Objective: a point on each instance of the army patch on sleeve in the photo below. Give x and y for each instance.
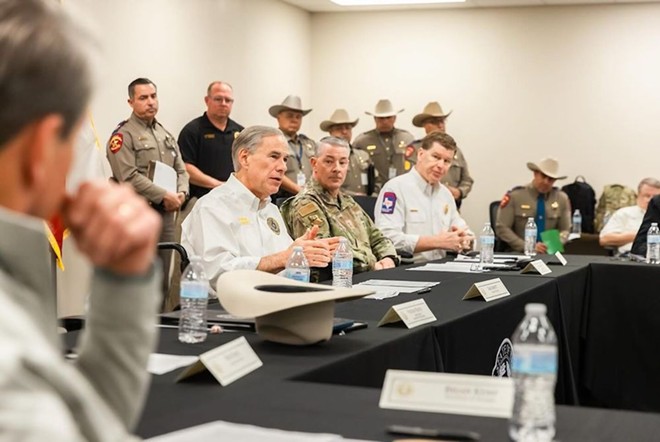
(116, 142)
(307, 209)
(274, 225)
(389, 202)
(505, 200)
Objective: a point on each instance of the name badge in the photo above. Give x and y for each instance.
(413, 314)
(537, 266)
(392, 172)
(470, 395)
(227, 363)
(490, 290)
(300, 178)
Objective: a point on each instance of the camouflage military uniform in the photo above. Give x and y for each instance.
(520, 204)
(357, 176)
(385, 150)
(337, 217)
(458, 175)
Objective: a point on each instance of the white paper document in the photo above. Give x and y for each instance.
(456, 267)
(227, 431)
(164, 176)
(385, 288)
(160, 363)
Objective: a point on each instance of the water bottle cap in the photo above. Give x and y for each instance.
(297, 249)
(530, 219)
(535, 309)
(654, 224)
(343, 239)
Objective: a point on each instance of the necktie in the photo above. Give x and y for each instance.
(540, 216)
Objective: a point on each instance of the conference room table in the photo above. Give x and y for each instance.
(604, 313)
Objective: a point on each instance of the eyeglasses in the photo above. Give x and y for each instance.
(222, 100)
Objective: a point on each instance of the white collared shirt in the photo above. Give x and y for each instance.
(409, 207)
(231, 229)
(624, 220)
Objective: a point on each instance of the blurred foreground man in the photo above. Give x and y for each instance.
(45, 83)
(417, 212)
(235, 226)
(322, 203)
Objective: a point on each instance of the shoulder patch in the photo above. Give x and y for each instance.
(307, 209)
(389, 203)
(505, 199)
(115, 143)
(410, 150)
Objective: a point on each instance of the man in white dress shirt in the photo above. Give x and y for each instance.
(417, 212)
(623, 225)
(235, 226)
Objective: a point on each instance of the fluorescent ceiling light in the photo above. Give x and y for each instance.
(391, 2)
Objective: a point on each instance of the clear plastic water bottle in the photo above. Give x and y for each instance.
(530, 237)
(653, 244)
(534, 369)
(297, 267)
(342, 265)
(194, 299)
(487, 240)
(577, 222)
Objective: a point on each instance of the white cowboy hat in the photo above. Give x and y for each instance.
(339, 116)
(547, 166)
(285, 311)
(431, 110)
(384, 108)
(292, 102)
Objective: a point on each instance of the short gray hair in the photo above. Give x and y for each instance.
(213, 83)
(250, 139)
(330, 141)
(651, 182)
(45, 66)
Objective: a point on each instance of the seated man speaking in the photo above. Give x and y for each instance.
(417, 212)
(235, 226)
(322, 203)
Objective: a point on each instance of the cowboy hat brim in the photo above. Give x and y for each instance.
(533, 167)
(327, 124)
(418, 120)
(384, 114)
(275, 110)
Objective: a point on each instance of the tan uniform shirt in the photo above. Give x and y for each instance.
(301, 149)
(512, 215)
(133, 145)
(356, 176)
(458, 175)
(386, 151)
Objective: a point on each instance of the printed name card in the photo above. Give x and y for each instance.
(490, 290)
(470, 395)
(561, 258)
(537, 266)
(227, 363)
(413, 314)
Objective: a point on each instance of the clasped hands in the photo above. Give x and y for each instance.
(456, 239)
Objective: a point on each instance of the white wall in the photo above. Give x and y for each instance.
(579, 83)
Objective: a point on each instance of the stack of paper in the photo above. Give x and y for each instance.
(385, 288)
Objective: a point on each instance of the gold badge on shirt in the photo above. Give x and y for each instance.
(446, 209)
(555, 205)
(525, 206)
(209, 136)
(274, 226)
(236, 134)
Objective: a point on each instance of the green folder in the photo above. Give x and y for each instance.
(551, 239)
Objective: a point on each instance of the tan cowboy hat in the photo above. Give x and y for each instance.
(547, 166)
(292, 102)
(285, 311)
(384, 108)
(339, 116)
(431, 110)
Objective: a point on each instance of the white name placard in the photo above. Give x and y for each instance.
(490, 290)
(413, 314)
(561, 258)
(537, 266)
(227, 363)
(447, 393)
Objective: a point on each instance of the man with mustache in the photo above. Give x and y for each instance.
(417, 212)
(323, 204)
(235, 226)
(134, 144)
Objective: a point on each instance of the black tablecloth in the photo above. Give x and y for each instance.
(596, 306)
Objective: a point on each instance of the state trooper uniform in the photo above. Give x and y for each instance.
(458, 175)
(360, 176)
(301, 150)
(387, 152)
(133, 145)
(520, 204)
(409, 207)
(230, 229)
(340, 216)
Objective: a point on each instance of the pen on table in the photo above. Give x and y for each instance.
(422, 291)
(443, 434)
